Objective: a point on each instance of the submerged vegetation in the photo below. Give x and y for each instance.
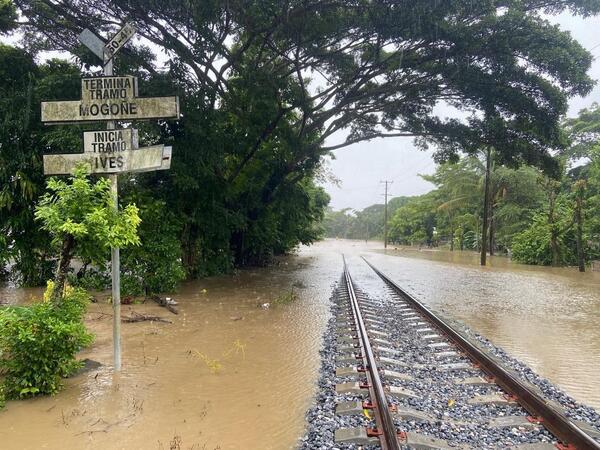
(38, 344)
(215, 365)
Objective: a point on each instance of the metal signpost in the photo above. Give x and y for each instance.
(112, 151)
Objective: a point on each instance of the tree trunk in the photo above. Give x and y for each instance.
(64, 263)
(554, 234)
(579, 221)
(555, 247)
(189, 253)
(451, 233)
(486, 206)
(492, 231)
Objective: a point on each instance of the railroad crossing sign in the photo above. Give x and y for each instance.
(112, 151)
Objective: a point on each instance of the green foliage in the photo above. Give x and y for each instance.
(517, 195)
(451, 213)
(83, 209)
(8, 16)
(132, 285)
(256, 115)
(23, 139)
(274, 80)
(154, 266)
(91, 280)
(584, 132)
(414, 222)
(365, 224)
(533, 245)
(258, 58)
(38, 344)
(532, 216)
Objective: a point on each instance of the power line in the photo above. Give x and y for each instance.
(595, 46)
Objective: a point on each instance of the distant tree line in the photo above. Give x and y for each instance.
(263, 85)
(536, 218)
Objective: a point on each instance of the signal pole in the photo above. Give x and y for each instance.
(385, 219)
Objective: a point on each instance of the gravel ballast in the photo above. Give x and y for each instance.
(453, 416)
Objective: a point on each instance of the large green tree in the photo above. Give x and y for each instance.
(23, 139)
(375, 68)
(265, 84)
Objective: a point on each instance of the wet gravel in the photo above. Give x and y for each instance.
(452, 417)
(571, 407)
(321, 418)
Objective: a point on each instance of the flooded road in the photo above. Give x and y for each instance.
(228, 374)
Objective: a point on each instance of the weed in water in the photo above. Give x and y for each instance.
(288, 297)
(215, 365)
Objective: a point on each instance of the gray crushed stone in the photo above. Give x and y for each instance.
(461, 424)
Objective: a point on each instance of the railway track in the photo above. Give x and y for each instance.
(406, 378)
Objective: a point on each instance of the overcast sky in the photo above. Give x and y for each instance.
(361, 167)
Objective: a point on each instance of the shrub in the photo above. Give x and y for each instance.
(38, 344)
(132, 285)
(91, 280)
(532, 246)
(155, 266)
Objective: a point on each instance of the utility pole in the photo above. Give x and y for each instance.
(385, 217)
(486, 205)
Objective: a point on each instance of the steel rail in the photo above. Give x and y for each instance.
(555, 421)
(388, 436)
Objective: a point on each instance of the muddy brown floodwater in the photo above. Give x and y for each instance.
(228, 374)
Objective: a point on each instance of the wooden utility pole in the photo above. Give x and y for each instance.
(486, 205)
(579, 194)
(385, 216)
